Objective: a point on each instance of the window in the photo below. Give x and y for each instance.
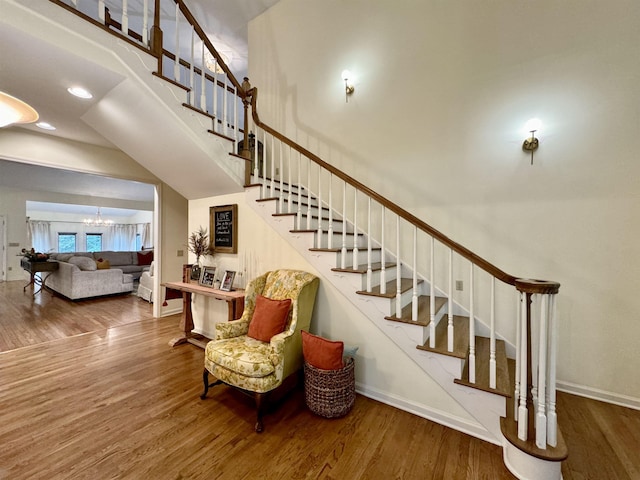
(138, 242)
(66, 242)
(94, 242)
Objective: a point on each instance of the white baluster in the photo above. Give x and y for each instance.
(320, 230)
(215, 89)
(343, 256)
(263, 183)
(383, 269)
(399, 271)
(176, 65)
(309, 194)
(414, 283)
(236, 127)
(472, 330)
(450, 331)
(552, 418)
(290, 195)
(272, 187)
(203, 86)
(100, 10)
(281, 174)
(355, 230)
(125, 17)
(541, 416)
(145, 22)
(492, 336)
(192, 70)
(74, 3)
(299, 217)
(432, 288)
(330, 232)
(256, 171)
(225, 113)
(516, 393)
(522, 407)
(369, 267)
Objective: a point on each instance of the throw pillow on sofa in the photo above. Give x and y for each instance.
(83, 263)
(145, 258)
(102, 264)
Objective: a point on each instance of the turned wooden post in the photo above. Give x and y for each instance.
(156, 36)
(246, 152)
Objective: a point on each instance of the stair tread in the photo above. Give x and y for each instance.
(405, 285)
(338, 249)
(460, 338)
(363, 268)
(503, 384)
(424, 311)
(509, 428)
(314, 230)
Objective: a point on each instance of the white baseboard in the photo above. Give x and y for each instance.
(443, 418)
(172, 311)
(597, 394)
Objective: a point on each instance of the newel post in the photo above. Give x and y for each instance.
(246, 152)
(526, 419)
(156, 36)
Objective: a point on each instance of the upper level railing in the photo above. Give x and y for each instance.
(307, 186)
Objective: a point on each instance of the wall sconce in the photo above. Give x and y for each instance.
(531, 144)
(348, 88)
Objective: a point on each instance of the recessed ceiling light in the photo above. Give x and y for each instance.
(79, 92)
(45, 126)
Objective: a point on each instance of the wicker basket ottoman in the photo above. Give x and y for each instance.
(330, 393)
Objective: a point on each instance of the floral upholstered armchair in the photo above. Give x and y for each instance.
(246, 355)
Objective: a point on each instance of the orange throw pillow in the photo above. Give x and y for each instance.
(322, 353)
(269, 318)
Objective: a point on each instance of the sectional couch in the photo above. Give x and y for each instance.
(85, 275)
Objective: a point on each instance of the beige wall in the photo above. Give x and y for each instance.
(442, 92)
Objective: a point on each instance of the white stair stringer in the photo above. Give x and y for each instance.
(486, 408)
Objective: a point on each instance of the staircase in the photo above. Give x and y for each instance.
(396, 269)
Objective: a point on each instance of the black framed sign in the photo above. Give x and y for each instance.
(223, 225)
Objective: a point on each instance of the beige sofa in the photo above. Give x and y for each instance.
(85, 275)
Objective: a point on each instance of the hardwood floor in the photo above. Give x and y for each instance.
(93, 390)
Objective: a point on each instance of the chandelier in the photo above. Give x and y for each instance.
(97, 221)
(212, 64)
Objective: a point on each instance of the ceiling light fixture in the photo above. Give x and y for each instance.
(14, 110)
(97, 221)
(80, 92)
(45, 126)
(212, 64)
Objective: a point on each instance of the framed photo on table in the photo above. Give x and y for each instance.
(207, 276)
(227, 280)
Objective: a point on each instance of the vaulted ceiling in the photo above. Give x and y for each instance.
(39, 72)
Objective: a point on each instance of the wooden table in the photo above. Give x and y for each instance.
(37, 267)
(234, 299)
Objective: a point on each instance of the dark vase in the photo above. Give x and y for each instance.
(195, 272)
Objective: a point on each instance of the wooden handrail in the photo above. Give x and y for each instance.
(463, 251)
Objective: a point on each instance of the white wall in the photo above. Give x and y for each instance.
(442, 91)
(381, 367)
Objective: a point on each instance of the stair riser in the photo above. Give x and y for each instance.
(336, 240)
(362, 256)
(336, 224)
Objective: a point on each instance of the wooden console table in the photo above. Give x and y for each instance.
(234, 299)
(37, 267)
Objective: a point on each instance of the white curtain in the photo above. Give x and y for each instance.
(120, 238)
(144, 229)
(39, 234)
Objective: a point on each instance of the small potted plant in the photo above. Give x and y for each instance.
(199, 245)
